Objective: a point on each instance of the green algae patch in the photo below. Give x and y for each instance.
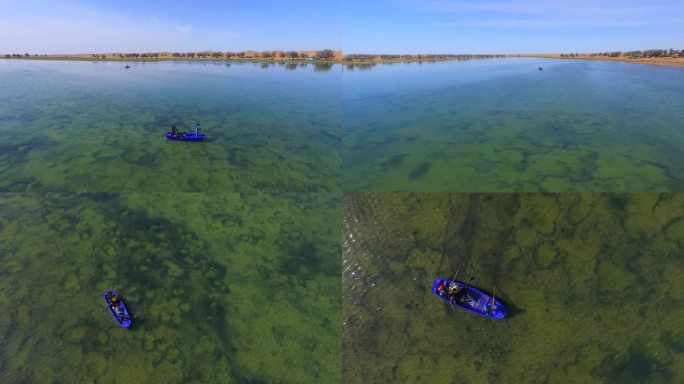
(418, 259)
(612, 277)
(148, 342)
(526, 236)
(75, 334)
(582, 206)
(70, 282)
(13, 266)
(589, 357)
(545, 255)
(543, 212)
(96, 364)
(109, 272)
(640, 207)
(675, 231)
(173, 269)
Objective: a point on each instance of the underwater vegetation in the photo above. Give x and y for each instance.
(94, 127)
(594, 284)
(225, 288)
(502, 126)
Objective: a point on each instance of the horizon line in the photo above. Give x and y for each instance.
(319, 50)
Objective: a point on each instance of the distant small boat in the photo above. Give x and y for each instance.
(469, 298)
(186, 137)
(117, 308)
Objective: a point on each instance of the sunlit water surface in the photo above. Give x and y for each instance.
(501, 125)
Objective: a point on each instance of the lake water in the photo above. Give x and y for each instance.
(501, 125)
(228, 251)
(226, 288)
(71, 126)
(466, 126)
(594, 285)
(221, 250)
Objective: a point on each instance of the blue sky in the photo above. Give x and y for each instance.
(356, 26)
(511, 26)
(75, 26)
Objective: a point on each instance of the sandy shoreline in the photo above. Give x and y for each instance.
(133, 60)
(345, 62)
(666, 61)
(663, 61)
(339, 58)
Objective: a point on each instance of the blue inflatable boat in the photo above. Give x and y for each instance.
(186, 137)
(469, 298)
(117, 308)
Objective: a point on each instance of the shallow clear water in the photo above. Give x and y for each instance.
(71, 126)
(594, 285)
(503, 126)
(225, 288)
(232, 267)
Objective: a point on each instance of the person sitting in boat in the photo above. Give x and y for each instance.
(176, 133)
(453, 291)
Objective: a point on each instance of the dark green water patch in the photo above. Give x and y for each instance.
(420, 171)
(636, 367)
(396, 160)
(674, 340)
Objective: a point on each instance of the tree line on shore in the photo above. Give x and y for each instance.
(379, 57)
(634, 54)
(323, 55)
(326, 54)
(19, 55)
(329, 55)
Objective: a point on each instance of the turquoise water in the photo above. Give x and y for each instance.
(81, 126)
(225, 288)
(594, 285)
(503, 126)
